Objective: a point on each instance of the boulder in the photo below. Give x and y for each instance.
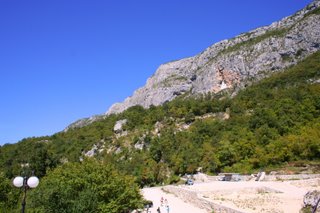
(311, 199)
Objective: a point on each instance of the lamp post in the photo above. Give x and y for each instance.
(25, 183)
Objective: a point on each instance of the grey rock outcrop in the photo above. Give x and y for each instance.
(92, 151)
(311, 199)
(83, 122)
(119, 125)
(230, 64)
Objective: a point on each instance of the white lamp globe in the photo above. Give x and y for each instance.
(33, 182)
(18, 181)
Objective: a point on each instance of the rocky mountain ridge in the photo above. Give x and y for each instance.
(230, 64)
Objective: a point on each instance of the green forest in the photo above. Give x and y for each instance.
(271, 124)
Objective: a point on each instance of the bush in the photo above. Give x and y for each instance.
(85, 187)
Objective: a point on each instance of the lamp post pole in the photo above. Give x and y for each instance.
(25, 183)
(25, 186)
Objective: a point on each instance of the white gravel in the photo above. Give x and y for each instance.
(246, 196)
(176, 205)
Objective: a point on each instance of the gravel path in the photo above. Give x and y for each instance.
(176, 205)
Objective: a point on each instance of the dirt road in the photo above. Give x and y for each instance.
(243, 196)
(176, 205)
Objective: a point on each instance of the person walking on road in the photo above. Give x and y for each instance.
(168, 209)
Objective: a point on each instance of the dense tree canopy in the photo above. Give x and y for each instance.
(8, 196)
(89, 186)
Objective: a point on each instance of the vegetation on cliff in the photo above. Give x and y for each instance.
(271, 123)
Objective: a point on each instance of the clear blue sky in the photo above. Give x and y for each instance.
(62, 60)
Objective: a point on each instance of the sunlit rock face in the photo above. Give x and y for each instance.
(230, 64)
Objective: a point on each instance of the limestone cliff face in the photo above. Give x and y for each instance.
(231, 63)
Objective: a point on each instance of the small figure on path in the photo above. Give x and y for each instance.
(161, 201)
(166, 202)
(167, 207)
(158, 210)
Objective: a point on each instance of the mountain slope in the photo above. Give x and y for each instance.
(266, 117)
(269, 123)
(229, 64)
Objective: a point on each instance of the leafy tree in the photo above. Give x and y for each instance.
(89, 186)
(9, 196)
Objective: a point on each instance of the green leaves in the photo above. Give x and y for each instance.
(9, 196)
(85, 187)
